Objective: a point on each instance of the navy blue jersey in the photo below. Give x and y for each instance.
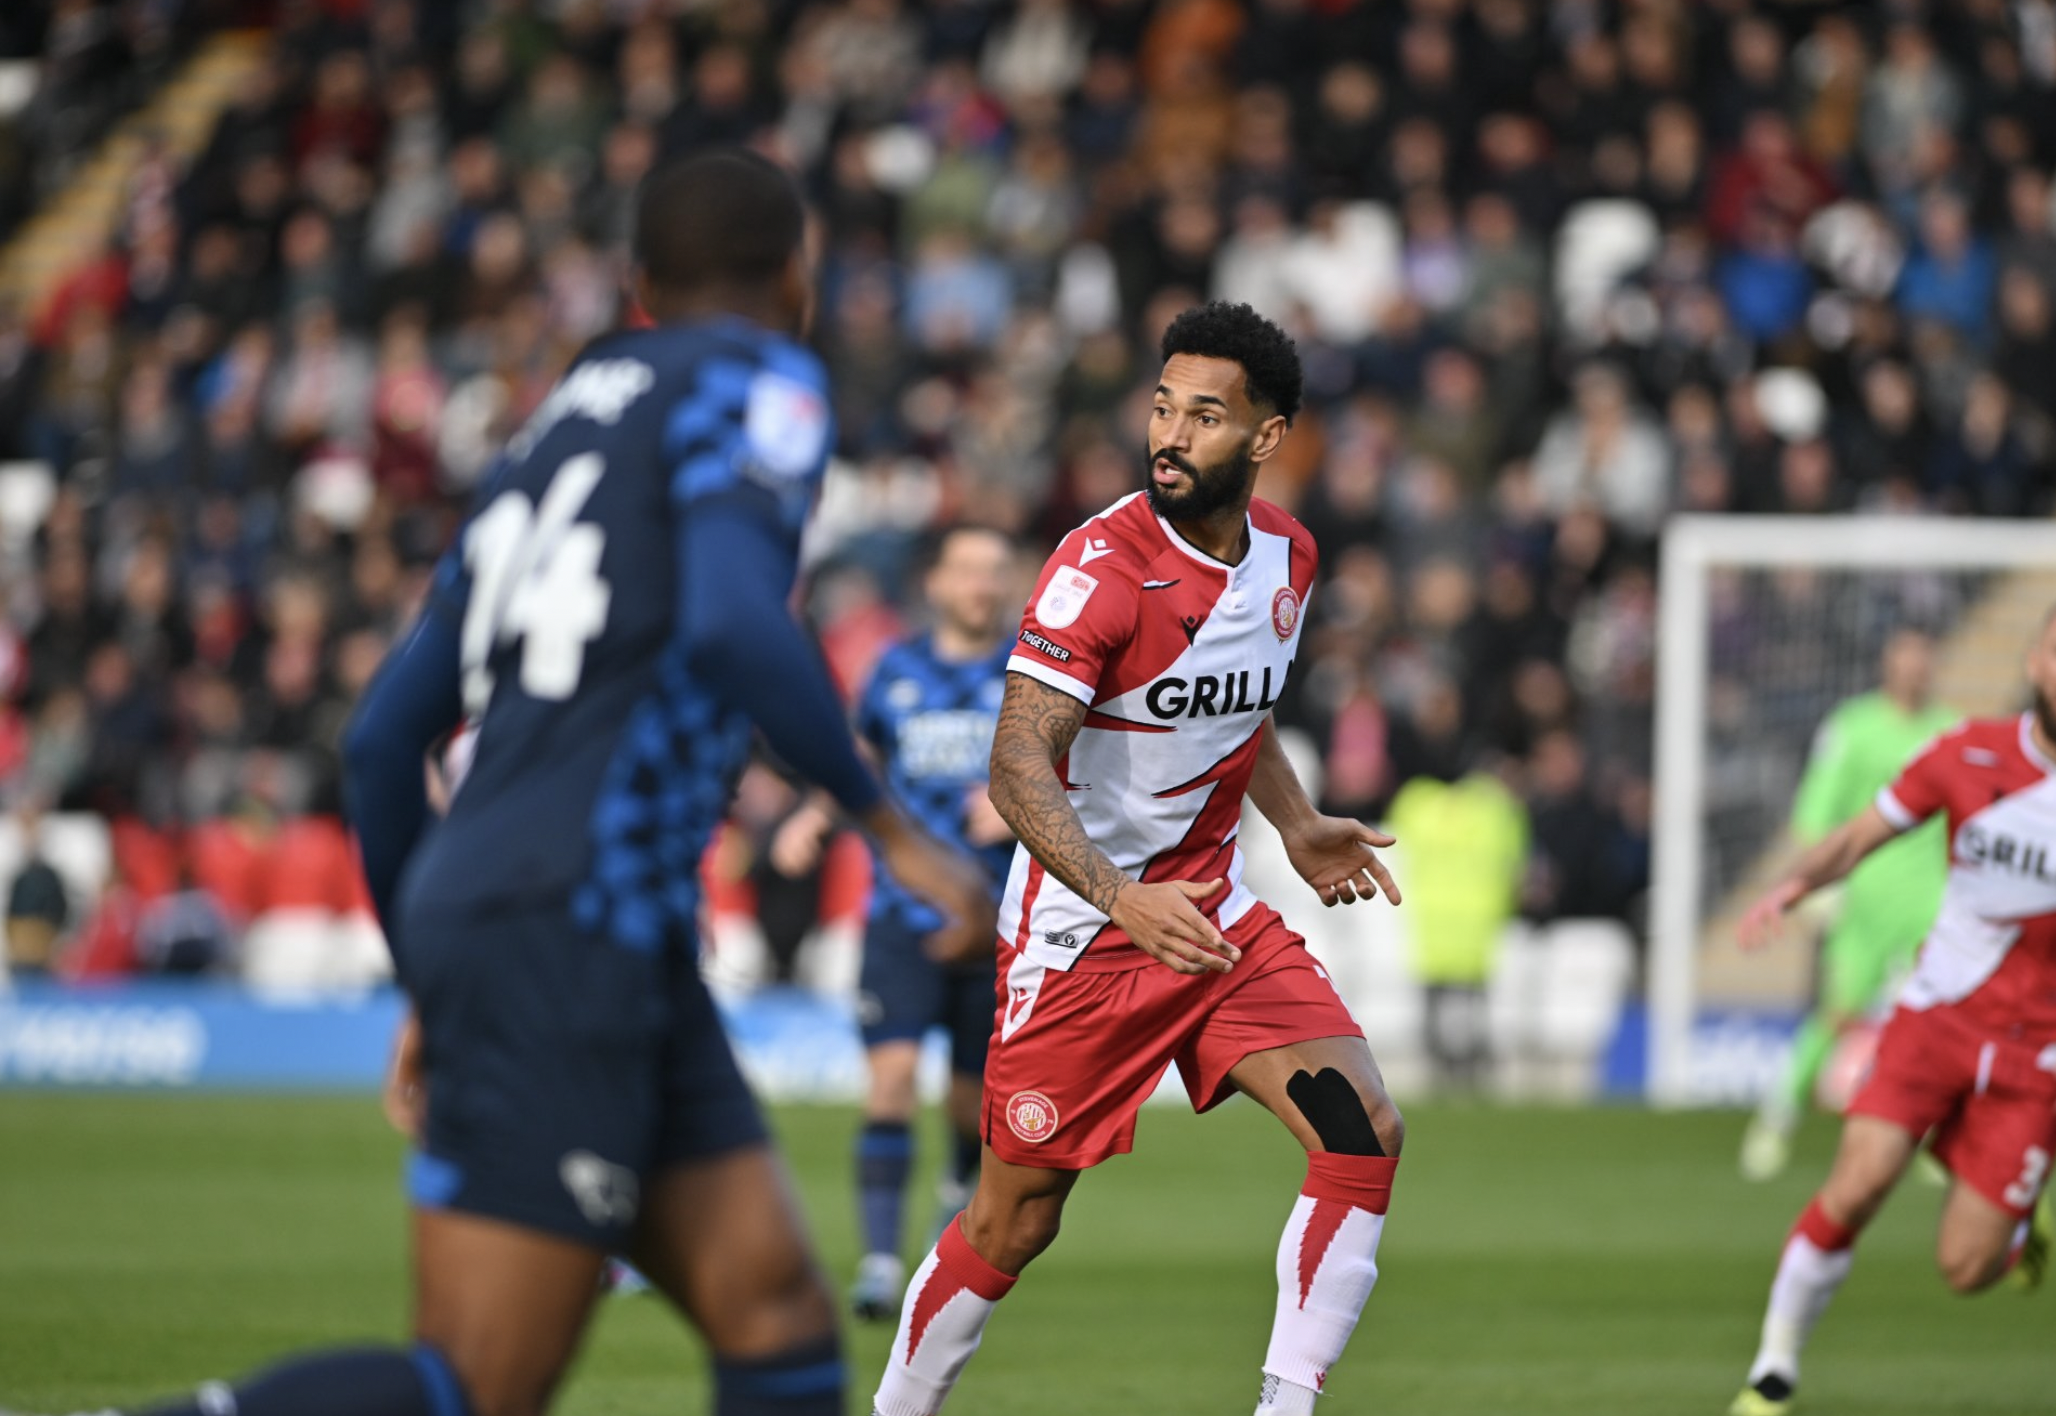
(603, 761)
(932, 722)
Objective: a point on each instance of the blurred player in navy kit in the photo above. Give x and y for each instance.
(928, 711)
(613, 623)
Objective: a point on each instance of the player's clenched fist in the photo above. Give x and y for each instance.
(1766, 918)
(946, 878)
(404, 1097)
(1166, 924)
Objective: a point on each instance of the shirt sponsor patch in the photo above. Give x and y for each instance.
(1063, 599)
(1042, 646)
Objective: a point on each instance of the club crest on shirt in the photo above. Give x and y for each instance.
(1285, 612)
(1031, 1116)
(1063, 599)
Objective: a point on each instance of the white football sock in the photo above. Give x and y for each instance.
(1817, 1258)
(1327, 1266)
(941, 1322)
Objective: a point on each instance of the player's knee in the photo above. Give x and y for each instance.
(1011, 1239)
(770, 1308)
(1347, 1120)
(1969, 1268)
(1967, 1273)
(892, 1095)
(1389, 1125)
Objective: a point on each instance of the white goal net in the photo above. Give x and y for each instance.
(1766, 624)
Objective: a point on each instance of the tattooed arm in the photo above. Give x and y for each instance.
(1037, 725)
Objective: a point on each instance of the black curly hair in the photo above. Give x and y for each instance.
(1269, 359)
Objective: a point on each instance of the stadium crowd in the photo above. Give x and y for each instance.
(1559, 269)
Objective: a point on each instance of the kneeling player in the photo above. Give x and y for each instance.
(612, 624)
(1970, 1053)
(1137, 717)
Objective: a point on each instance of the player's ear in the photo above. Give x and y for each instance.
(796, 292)
(1270, 436)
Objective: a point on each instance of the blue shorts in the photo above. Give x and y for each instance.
(564, 1071)
(902, 993)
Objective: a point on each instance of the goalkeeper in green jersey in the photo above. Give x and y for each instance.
(1888, 903)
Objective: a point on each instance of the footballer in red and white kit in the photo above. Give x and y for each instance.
(1968, 1059)
(1178, 659)
(1137, 720)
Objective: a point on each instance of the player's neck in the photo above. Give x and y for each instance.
(759, 307)
(960, 646)
(1224, 535)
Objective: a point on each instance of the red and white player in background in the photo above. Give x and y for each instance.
(1970, 1052)
(1136, 719)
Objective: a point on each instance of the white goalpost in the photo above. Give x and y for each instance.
(1763, 623)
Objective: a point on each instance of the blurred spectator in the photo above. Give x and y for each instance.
(263, 401)
(1582, 861)
(38, 906)
(1606, 453)
(184, 933)
(1950, 274)
(1466, 843)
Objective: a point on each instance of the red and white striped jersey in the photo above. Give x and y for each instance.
(1179, 658)
(1992, 952)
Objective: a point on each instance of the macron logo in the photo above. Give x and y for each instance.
(1093, 551)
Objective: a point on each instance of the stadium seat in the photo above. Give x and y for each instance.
(1588, 966)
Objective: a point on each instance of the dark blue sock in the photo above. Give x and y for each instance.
(968, 1154)
(801, 1381)
(885, 1155)
(350, 1381)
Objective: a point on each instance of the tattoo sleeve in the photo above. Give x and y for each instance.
(1037, 725)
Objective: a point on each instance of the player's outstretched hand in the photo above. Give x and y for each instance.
(1338, 857)
(945, 877)
(405, 1097)
(1165, 923)
(1765, 919)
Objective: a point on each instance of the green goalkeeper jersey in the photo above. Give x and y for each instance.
(1890, 900)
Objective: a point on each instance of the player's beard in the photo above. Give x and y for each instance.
(1214, 489)
(2045, 714)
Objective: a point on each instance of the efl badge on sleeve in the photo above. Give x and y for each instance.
(786, 424)
(1285, 612)
(1063, 599)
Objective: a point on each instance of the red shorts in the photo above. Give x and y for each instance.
(1990, 1101)
(1077, 1054)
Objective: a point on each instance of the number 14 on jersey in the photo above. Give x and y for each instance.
(535, 577)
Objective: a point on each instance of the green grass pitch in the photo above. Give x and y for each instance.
(1596, 1262)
